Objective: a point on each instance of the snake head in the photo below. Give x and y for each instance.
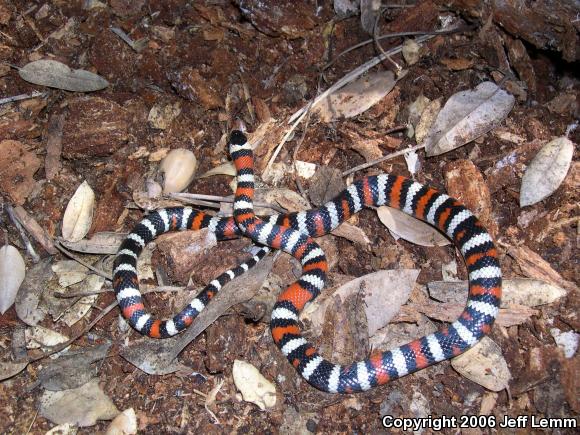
(237, 138)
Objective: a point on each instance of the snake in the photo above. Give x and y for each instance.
(294, 233)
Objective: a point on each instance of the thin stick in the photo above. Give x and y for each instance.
(382, 159)
(389, 36)
(69, 254)
(286, 136)
(21, 97)
(378, 44)
(22, 232)
(181, 196)
(59, 347)
(355, 73)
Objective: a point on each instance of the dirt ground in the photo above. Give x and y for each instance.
(220, 61)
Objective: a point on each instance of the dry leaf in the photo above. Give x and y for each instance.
(546, 171)
(466, 116)
(520, 291)
(178, 168)
(223, 169)
(123, 424)
(41, 337)
(154, 357)
(28, 299)
(12, 272)
(55, 74)
(17, 168)
(73, 369)
(356, 97)
(384, 293)
(254, 387)
(352, 233)
(403, 226)
(305, 169)
(82, 406)
(78, 215)
(534, 266)
(485, 365)
(106, 242)
(9, 369)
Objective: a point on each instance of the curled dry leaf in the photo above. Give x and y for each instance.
(12, 272)
(123, 424)
(352, 233)
(356, 97)
(55, 74)
(485, 365)
(223, 169)
(466, 116)
(69, 272)
(78, 215)
(254, 387)
(82, 406)
(178, 168)
(546, 171)
(403, 226)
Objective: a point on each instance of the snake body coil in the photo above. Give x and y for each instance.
(292, 233)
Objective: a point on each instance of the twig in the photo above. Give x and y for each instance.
(389, 36)
(382, 159)
(20, 97)
(355, 73)
(22, 232)
(198, 198)
(69, 254)
(398, 68)
(144, 289)
(59, 347)
(286, 136)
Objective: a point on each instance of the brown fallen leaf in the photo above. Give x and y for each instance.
(356, 97)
